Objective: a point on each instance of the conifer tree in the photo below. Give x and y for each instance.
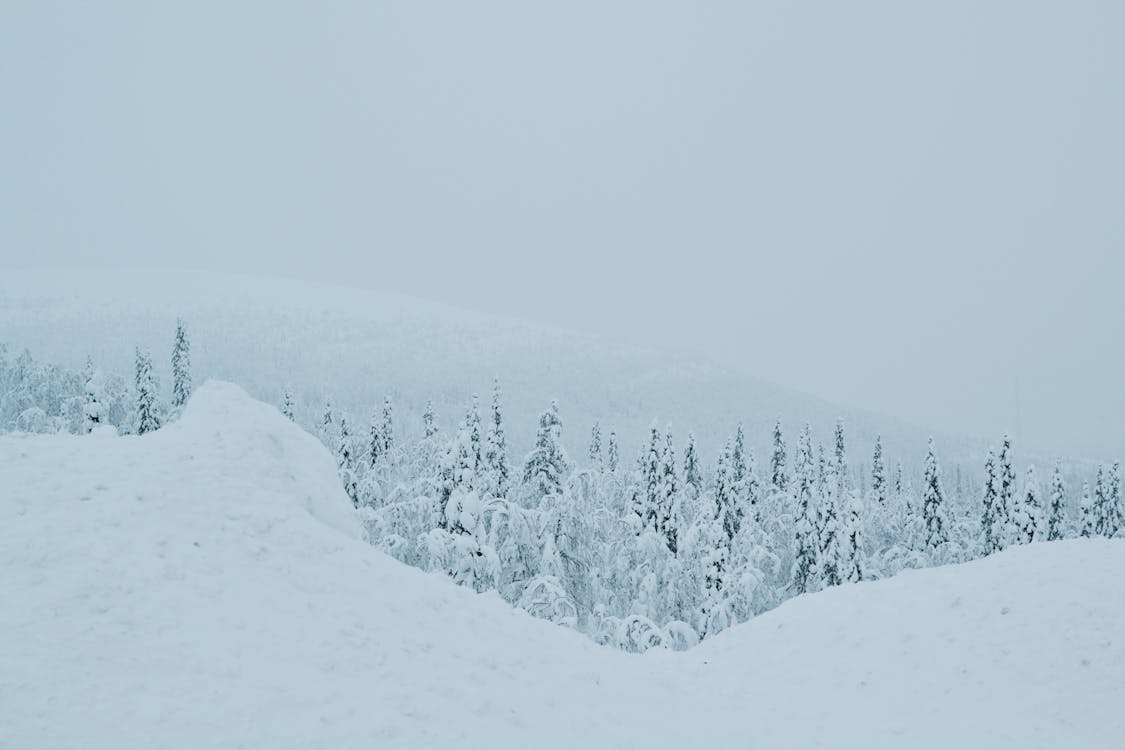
(830, 563)
(693, 479)
(612, 458)
(647, 500)
(388, 427)
(879, 473)
(287, 404)
(181, 367)
(345, 462)
(899, 485)
(1102, 513)
(779, 479)
(1116, 505)
(806, 539)
(476, 438)
(1058, 503)
(988, 525)
(327, 423)
(93, 405)
(429, 425)
(376, 445)
(148, 417)
(547, 465)
(595, 451)
(496, 448)
(1004, 532)
(933, 502)
(841, 461)
(1027, 510)
(668, 512)
(725, 492)
(1089, 513)
(854, 567)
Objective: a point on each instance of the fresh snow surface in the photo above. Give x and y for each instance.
(207, 586)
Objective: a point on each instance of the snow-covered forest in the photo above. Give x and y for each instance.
(656, 550)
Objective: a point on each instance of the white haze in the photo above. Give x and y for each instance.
(911, 208)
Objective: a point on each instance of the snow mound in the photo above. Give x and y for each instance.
(206, 586)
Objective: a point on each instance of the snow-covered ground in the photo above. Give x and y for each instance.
(206, 586)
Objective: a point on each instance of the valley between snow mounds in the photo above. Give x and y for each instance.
(207, 586)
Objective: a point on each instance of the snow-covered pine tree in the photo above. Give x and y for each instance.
(842, 483)
(805, 534)
(595, 451)
(779, 478)
(1089, 513)
(287, 403)
(646, 500)
(376, 445)
(345, 461)
(879, 474)
(1058, 504)
(854, 564)
(933, 502)
(713, 563)
(546, 467)
(148, 415)
(693, 479)
(612, 456)
(669, 495)
(496, 448)
(94, 401)
(1116, 505)
(181, 367)
(725, 498)
(990, 501)
(1027, 510)
(476, 435)
(899, 485)
(328, 424)
(1102, 512)
(830, 560)
(388, 427)
(429, 424)
(1004, 532)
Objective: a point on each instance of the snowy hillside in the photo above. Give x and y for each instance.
(206, 586)
(356, 347)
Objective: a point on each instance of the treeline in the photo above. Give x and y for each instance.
(656, 552)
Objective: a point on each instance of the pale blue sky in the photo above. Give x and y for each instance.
(898, 206)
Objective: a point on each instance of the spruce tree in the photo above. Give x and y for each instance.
(546, 467)
(429, 424)
(345, 462)
(496, 448)
(1027, 509)
(93, 404)
(805, 536)
(476, 438)
(693, 479)
(988, 524)
(376, 445)
(388, 427)
(933, 502)
(668, 511)
(779, 479)
(148, 417)
(612, 458)
(646, 502)
(1089, 513)
(1004, 531)
(328, 423)
(1116, 505)
(1058, 503)
(879, 474)
(830, 563)
(725, 492)
(842, 483)
(1102, 512)
(181, 367)
(595, 451)
(287, 404)
(854, 567)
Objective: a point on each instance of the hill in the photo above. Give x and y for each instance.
(207, 586)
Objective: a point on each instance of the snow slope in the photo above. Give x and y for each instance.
(357, 346)
(207, 586)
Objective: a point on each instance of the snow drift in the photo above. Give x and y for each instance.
(207, 586)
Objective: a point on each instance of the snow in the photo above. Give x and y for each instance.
(207, 585)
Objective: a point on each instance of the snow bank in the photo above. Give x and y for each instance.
(206, 586)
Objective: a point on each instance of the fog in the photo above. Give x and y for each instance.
(911, 208)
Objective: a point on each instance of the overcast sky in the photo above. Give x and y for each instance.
(909, 207)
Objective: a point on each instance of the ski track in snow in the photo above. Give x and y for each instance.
(207, 586)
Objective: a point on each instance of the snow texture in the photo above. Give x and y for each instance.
(207, 585)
